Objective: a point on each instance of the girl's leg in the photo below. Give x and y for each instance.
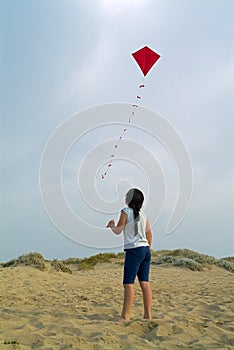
(147, 299)
(128, 301)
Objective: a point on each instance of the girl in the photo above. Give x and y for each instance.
(137, 243)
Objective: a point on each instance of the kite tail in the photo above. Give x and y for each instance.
(122, 134)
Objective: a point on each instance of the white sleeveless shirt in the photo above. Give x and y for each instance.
(131, 239)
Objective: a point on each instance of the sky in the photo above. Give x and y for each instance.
(67, 58)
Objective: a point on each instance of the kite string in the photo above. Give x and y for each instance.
(120, 138)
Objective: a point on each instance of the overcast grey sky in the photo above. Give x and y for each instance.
(60, 57)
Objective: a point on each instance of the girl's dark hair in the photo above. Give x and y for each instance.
(135, 199)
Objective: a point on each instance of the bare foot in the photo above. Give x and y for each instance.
(121, 319)
(147, 318)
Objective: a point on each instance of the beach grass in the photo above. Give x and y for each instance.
(178, 258)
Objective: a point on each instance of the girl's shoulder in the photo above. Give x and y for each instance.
(127, 210)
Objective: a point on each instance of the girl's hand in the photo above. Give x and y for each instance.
(117, 229)
(111, 224)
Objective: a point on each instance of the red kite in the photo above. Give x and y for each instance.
(145, 58)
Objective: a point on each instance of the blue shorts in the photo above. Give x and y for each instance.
(137, 263)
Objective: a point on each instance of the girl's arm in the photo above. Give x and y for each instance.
(148, 233)
(117, 229)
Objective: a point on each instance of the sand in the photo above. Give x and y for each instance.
(56, 310)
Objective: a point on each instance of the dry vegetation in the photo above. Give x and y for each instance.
(179, 258)
(191, 260)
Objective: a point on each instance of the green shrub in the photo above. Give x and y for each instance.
(164, 260)
(72, 261)
(31, 259)
(190, 254)
(229, 258)
(189, 263)
(99, 258)
(60, 266)
(226, 264)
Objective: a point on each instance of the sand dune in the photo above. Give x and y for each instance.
(55, 310)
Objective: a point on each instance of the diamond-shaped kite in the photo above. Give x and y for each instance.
(145, 58)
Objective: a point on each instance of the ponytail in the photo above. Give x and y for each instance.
(135, 199)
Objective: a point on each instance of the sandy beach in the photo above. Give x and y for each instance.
(56, 310)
